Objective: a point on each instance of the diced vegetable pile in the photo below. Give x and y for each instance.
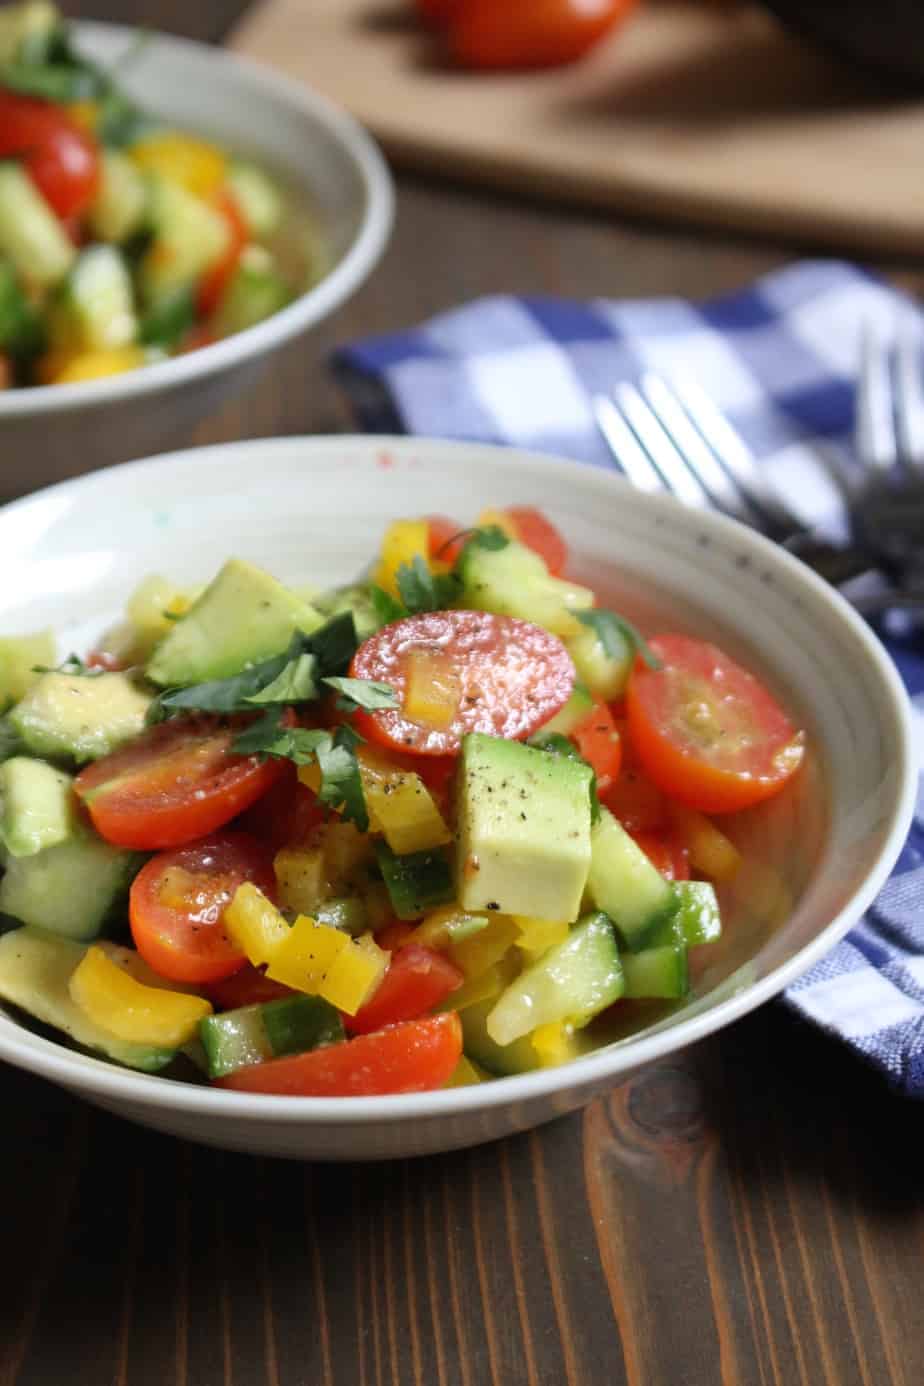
(442, 825)
(123, 241)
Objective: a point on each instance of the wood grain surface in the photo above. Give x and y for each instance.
(748, 1213)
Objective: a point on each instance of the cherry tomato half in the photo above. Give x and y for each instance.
(248, 987)
(174, 784)
(598, 741)
(510, 677)
(177, 900)
(287, 813)
(216, 279)
(706, 731)
(417, 979)
(665, 851)
(418, 1056)
(531, 33)
(61, 159)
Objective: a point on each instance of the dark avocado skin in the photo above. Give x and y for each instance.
(882, 35)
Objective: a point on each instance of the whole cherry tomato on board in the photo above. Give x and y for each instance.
(530, 33)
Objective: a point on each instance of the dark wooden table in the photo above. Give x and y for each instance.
(747, 1213)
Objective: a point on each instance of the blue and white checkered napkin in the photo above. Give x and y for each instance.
(780, 359)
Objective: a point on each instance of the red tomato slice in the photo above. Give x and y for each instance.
(635, 801)
(414, 1057)
(174, 784)
(61, 159)
(707, 732)
(665, 852)
(530, 33)
(442, 541)
(177, 900)
(512, 677)
(597, 738)
(248, 987)
(287, 813)
(215, 280)
(539, 534)
(417, 979)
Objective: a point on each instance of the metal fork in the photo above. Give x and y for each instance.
(668, 436)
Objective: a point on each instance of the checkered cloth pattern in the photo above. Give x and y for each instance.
(780, 360)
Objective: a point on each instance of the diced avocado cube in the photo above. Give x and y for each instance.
(80, 717)
(36, 806)
(523, 829)
(19, 654)
(243, 616)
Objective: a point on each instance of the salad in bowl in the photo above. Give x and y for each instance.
(453, 822)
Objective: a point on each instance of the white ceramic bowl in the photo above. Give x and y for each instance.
(52, 432)
(314, 509)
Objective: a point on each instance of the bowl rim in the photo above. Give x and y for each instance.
(318, 302)
(112, 1084)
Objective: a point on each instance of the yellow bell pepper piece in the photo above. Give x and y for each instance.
(124, 1007)
(301, 878)
(303, 959)
(433, 690)
(355, 974)
(484, 987)
(401, 806)
(497, 517)
(255, 924)
(710, 851)
(97, 365)
(466, 1075)
(197, 165)
(404, 540)
(537, 936)
(555, 1044)
(476, 954)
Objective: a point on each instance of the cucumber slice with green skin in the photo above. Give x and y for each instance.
(514, 581)
(120, 206)
(168, 320)
(605, 675)
(94, 309)
(572, 714)
(243, 616)
(36, 806)
(416, 883)
(35, 969)
(698, 920)
(574, 981)
(31, 237)
(80, 718)
(74, 889)
(258, 198)
(501, 1060)
(355, 599)
(625, 885)
(253, 1034)
(10, 740)
(27, 29)
(254, 292)
(189, 237)
(22, 331)
(659, 972)
(348, 914)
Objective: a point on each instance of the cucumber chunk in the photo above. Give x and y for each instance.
(604, 674)
(27, 29)
(189, 237)
(94, 309)
(572, 714)
(258, 198)
(416, 883)
(502, 1060)
(74, 888)
(78, 717)
(242, 617)
(573, 981)
(35, 969)
(22, 331)
(625, 885)
(698, 918)
(36, 806)
(514, 581)
(19, 654)
(657, 972)
(119, 208)
(31, 236)
(252, 1034)
(256, 291)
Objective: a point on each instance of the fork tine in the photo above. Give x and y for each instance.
(736, 457)
(660, 447)
(623, 444)
(702, 461)
(874, 433)
(909, 400)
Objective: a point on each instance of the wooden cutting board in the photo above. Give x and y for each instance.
(695, 111)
